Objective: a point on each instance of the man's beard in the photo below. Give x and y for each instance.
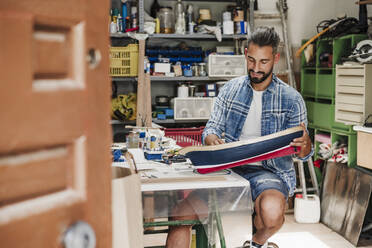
(259, 80)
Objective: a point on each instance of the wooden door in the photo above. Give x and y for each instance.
(54, 121)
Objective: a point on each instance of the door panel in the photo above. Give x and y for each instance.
(54, 129)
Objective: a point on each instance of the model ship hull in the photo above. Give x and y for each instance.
(213, 158)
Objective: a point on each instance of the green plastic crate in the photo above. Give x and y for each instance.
(351, 140)
(325, 83)
(324, 45)
(323, 117)
(308, 77)
(310, 112)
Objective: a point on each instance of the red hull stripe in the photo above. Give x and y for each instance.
(286, 151)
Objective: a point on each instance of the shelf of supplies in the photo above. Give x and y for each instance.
(157, 78)
(117, 122)
(124, 79)
(172, 121)
(120, 35)
(197, 36)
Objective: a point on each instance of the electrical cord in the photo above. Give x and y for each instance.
(366, 123)
(347, 26)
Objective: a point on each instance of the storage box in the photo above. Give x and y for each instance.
(162, 67)
(364, 141)
(226, 65)
(124, 61)
(193, 108)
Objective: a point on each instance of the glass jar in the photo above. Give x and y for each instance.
(165, 16)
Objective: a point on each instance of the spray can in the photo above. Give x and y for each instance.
(134, 16)
(120, 24)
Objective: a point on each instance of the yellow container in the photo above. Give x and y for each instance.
(124, 61)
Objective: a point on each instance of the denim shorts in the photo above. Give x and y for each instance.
(261, 179)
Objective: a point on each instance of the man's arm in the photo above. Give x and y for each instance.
(216, 124)
(298, 117)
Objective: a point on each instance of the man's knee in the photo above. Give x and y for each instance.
(271, 210)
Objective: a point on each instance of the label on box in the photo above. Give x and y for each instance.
(211, 93)
(211, 86)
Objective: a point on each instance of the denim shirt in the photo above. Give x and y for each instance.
(282, 107)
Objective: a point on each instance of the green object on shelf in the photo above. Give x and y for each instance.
(318, 87)
(308, 76)
(310, 112)
(325, 83)
(323, 117)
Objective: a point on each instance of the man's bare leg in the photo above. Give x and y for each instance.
(270, 208)
(192, 208)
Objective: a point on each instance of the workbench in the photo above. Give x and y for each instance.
(164, 186)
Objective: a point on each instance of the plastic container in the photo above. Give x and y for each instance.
(227, 65)
(193, 108)
(124, 61)
(307, 210)
(185, 136)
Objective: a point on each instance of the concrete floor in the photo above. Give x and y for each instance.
(237, 229)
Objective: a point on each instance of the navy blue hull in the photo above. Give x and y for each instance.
(204, 159)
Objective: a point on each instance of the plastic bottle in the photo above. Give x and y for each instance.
(120, 24)
(134, 16)
(153, 143)
(113, 27)
(190, 19)
(141, 143)
(180, 27)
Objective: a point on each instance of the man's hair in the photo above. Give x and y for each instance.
(264, 36)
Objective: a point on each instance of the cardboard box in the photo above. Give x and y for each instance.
(127, 226)
(364, 158)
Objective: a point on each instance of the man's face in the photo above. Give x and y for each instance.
(260, 62)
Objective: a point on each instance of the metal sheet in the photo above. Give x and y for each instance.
(345, 197)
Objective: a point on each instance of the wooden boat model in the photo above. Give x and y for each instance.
(218, 157)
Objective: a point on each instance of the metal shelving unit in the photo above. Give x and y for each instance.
(201, 79)
(171, 79)
(124, 79)
(120, 35)
(117, 122)
(199, 36)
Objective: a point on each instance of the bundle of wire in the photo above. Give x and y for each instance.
(349, 25)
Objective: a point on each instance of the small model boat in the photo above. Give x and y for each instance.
(218, 157)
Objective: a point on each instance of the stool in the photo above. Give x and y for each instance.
(301, 175)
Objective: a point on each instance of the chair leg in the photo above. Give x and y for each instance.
(313, 175)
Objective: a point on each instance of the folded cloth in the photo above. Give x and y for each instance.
(218, 157)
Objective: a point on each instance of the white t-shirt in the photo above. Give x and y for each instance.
(252, 125)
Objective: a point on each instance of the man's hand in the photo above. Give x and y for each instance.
(213, 139)
(304, 142)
